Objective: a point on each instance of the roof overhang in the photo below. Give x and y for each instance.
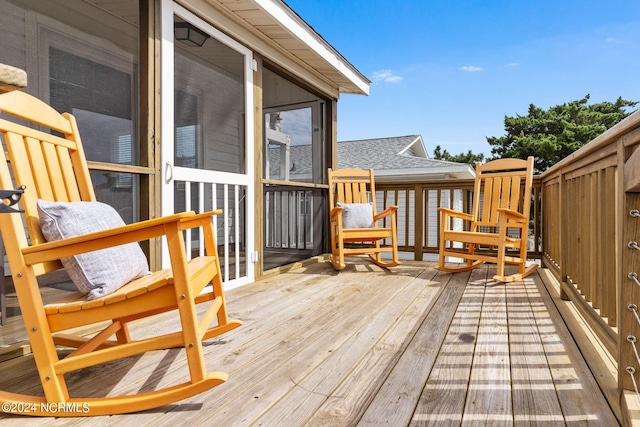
(417, 145)
(281, 26)
(460, 171)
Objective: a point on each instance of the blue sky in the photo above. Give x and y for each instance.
(451, 70)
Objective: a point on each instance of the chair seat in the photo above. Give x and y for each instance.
(365, 234)
(78, 301)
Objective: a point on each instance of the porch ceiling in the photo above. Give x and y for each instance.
(281, 25)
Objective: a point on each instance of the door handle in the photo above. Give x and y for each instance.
(168, 172)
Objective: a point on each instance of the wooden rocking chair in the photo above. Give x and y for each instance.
(354, 222)
(499, 221)
(52, 168)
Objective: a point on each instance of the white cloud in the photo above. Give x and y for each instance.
(385, 76)
(514, 64)
(471, 68)
(613, 40)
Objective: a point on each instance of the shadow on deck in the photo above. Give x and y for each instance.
(366, 346)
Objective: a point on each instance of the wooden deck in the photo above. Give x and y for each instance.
(366, 346)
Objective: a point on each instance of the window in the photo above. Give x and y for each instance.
(294, 132)
(100, 96)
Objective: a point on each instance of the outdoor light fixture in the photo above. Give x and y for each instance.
(189, 34)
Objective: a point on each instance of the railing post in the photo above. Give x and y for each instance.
(564, 235)
(420, 222)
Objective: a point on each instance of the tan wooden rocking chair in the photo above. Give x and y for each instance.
(354, 222)
(53, 168)
(499, 221)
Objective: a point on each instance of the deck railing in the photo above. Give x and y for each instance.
(583, 212)
(590, 233)
(418, 219)
(288, 217)
(585, 228)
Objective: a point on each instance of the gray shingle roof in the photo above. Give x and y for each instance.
(386, 153)
(401, 157)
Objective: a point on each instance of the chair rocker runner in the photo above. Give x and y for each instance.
(499, 221)
(53, 171)
(354, 223)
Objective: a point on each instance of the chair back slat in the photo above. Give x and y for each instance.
(505, 192)
(364, 197)
(54, 168)
(515, 202)
(68, 174)
(492, 209)
(35, 152)
(348, 193)
(485, 202)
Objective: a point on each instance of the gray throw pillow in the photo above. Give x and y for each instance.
(100, 272)
(357, 215)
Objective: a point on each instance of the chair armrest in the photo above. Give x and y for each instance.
(513, 215)
(336, 211)
(143, 230)
(457, 214)
(391, 210)
(196, 220)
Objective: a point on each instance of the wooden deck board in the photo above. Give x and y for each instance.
(534, 396)
(365, 346)
(489, 395)
(444, 395)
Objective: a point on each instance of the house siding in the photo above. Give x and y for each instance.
(13, 41)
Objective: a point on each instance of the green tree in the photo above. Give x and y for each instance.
(551, 135)
(468, 157)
